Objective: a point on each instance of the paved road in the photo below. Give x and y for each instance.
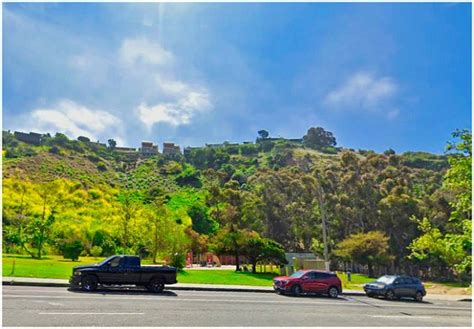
(46, 306)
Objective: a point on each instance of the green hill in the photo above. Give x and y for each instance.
(114, 201)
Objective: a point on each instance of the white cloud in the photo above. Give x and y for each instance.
(363, 90)
(172, 87)
(141, 50)
(74, 120)
(176, 113)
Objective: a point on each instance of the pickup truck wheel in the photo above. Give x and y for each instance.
(89, 283)
(156, 285)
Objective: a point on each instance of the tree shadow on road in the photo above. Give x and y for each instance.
(406, 300)
(316, 296)
(124, 291)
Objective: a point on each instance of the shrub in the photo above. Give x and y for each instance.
(96, 251)
(101, 166)
(329, 150)
(93, 158)
(178, 261)
(189, 177)
(104, 240)
(72, 249)
(10, 153)
(248, 149)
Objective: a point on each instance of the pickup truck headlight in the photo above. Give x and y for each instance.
(77, 272)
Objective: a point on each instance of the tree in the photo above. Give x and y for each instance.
(389, 152)
(369, 249)
(130, 202)
(199, 243)
(318, 138)
(112, 144)
(158, 215)
(263, 134)
(202, 223)
(39, 230)
(452, 246)
(104, 240)
(231, 241)
(260, 249)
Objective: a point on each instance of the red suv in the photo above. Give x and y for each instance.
(309, 281)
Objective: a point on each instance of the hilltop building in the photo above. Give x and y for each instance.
(148, 149)
(31, 138)
(83, 139)
(214, 145)
(171, 149)
(125, 149)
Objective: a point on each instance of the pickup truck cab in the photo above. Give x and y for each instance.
(122, 270)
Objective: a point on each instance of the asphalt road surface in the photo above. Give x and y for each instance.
(44, 306)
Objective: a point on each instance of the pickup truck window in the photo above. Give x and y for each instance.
(106, 261)
(115, 262)
(132, 262)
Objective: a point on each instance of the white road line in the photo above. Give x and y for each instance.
(174, 299)
(205, 300)
(87, 313)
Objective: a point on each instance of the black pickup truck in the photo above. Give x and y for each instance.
(122, 270)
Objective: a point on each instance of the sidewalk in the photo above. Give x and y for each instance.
(202, 287)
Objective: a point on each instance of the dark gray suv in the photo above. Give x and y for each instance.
(395, 287)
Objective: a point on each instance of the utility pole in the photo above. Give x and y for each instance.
(323, 222)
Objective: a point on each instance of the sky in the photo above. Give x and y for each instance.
(378, 76)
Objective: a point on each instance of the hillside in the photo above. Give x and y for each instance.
(113, 201)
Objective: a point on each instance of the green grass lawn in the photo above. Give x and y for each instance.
(56, 267)
(357, 280)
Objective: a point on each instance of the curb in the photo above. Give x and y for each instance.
(34, 284)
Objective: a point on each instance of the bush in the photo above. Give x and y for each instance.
(248, 149)
(10, 153)
(55, 150)
(93, 158)
(104, 240)
(189, 177)
(72, 249)
(178, 261)
(329, 150)
(101, 166)
(96, 251)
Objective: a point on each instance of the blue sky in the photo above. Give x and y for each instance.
(378, 76)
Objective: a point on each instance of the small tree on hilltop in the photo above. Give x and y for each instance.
(112, 144)
(263, 134)
(318, 138)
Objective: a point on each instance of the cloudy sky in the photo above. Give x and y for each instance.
(377, 75)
